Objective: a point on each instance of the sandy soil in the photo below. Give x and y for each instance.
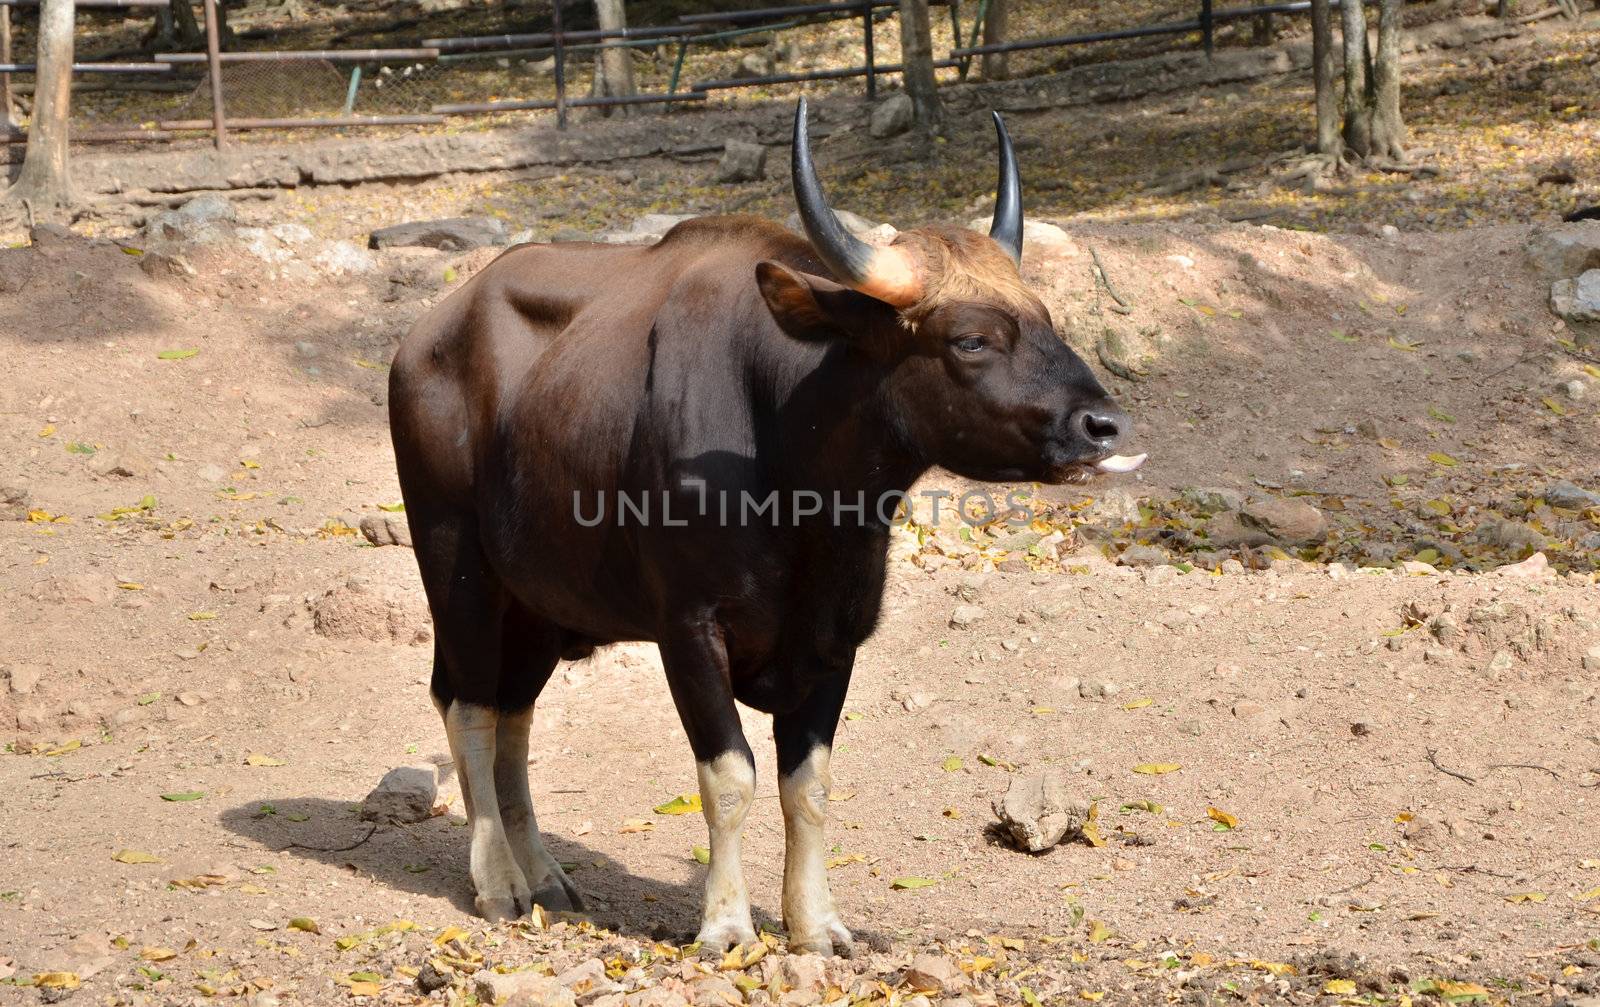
(1410, 759)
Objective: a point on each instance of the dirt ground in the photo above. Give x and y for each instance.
(1357, 765)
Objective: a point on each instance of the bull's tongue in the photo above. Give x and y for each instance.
(1120, 463)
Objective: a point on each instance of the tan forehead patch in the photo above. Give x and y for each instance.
(962, 265)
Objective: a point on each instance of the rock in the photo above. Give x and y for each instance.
(405, 794)
(804, 972)
(211, 473)
(862, 228)
(1142, 556)
(1228, 531)
(452, 234)
(715, 991)
(1018, 541)
(204, 220)
(429, 978)
(588, 981)
(341, 258)
(386, 529)
(1512, 536)
(936, 973)
(1565, 250)
(1575, 389)
(535, 67)
(1570, 497)
(742, 162)
(360, 609)
(1095, 688)
(528, 989)
(161, 264)
(1577, 300)
(1036, 234)
(1534, 566)
(755, 64)
(915, 701)
(124, 466)
(24, 678)
(1211, 500)
(967, 616)
(648, 228)
(14, 503)
(1036, 812)
(1591, 662)
(1288, 521)
(1157, 576)
(1389, 232)
(893, 116)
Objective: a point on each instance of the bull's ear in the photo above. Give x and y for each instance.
(814, 308)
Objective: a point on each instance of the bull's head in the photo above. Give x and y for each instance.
(979, 380)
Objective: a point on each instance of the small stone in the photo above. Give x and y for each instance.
(971, 587)
(24, 678)
(742, 162)
(1500, 663)
(1211, 500)
(966, 616)
(1156, 576)
(1570, 497)
(1591, 659)
(1227, 530)
(1578, 299)
(189, 698)
(1193, 728)
(1389, 232)
(1533, 567)
(1575, 389)
(130, 465)
(755, 64)
(916, 701)
(1435, 655)
(159, 264)
(1565, 250)
(529, 989)
(203, 220)
(453, 234)
(386, 529)
(212, 473)
(1286, 520)
(804, 972)
(893, 116)
(1094, 689)
(430, 978)
(1247, 710)
(1362, 728)
(1036, 814)
(405, 794)
(1142, 556)
(1512, 536)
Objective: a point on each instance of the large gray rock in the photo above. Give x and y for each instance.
(648, 228)
(453, 234)
(1566, 250)
(1570, 497)
(867, 230)
(742, 162)
(204, 220)
(1577, 300)
(893, 116)
(1290, 521)
(1211, 499)
(1036, 812)
(405, 794)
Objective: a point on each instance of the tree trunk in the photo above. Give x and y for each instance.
(1388, 128)
(613, 67)
(1357, 80)
(995, 64)
(1322, 72)
(6, 117)
(916, 55)
(44, 183)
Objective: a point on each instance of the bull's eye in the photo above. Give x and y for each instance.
(971, 344)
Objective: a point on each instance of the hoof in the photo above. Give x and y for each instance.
(724, 934)
(497, 908)
(558, 898)
(831, 938)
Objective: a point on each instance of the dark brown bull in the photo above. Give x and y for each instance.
(692, 443)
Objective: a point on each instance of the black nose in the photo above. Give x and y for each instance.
(1100, 425)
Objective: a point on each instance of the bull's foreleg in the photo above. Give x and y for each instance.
(549, 883)
(502, 888)
(805, 743)
(697, 671)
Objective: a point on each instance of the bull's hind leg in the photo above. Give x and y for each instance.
(551, 887)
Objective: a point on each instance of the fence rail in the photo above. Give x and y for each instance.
(691, 29)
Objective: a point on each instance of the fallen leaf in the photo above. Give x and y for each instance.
(1157, 768)
(56, 980)
(904, 883)
(953, 764)
(848, 858)
(637, 825)
(1340, 987)
(1224, 820)
(1138, 704)
(257, 759)
(701, 854)
(184, 354)
(185, 795)
(1554, 406)
(1099, 933)
(134, 857)
(305, 924)
(683, 804)
(1520, 897)
(1440, 458)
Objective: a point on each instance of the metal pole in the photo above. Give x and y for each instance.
(5, 57)
(677, 66)
(561, 65)
(219, 124)
(872, 72)
(1206, 26)
(350, 95)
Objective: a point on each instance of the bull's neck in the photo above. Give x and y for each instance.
(833, 428)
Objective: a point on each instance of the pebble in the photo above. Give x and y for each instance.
(405, 794)
(24, 678)
(1591, 659)
(1094, 688)
(1142, 556)
(1363, 728)
(967, 616)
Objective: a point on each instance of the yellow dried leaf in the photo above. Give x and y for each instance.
(134, 857)
(364, 989)
(1093, 997)
(1440, 458)
(1554, 406)
(1157, 768)
(257, 759)
(1222, 818)
(306, 924)
(157, 954)
(47, 430)
(1099, 933)
(447, 935)
(56, 980)
(1340, 987)
(683, 804)
(1588, 896)
(952, 764)
(1138, 704)
(1519, 898)
(637, 825)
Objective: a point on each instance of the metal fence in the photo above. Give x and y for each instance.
(218, 92)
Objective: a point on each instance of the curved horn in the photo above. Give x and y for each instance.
(885, 273)
(1007, 226)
